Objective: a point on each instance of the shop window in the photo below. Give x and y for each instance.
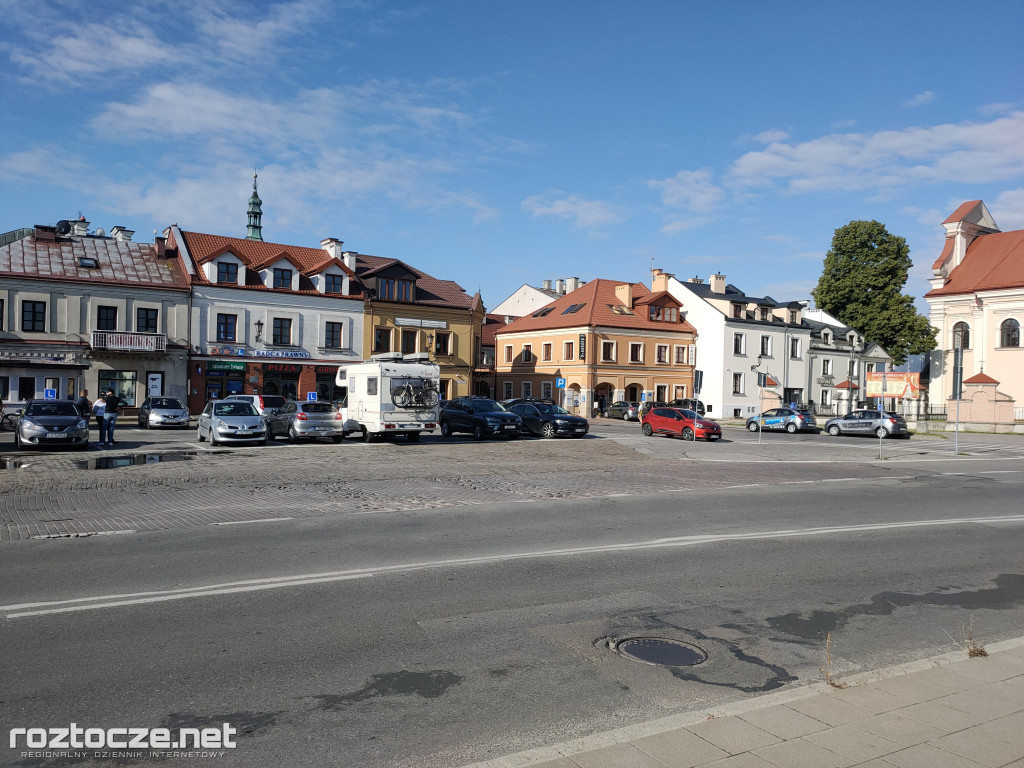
(106, 318)
(506, 387)
(122, 382)
(527, 389)
(146, 320)
(26, 388)
(33, 316)
(546, 390)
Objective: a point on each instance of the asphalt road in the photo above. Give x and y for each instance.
(438, 636)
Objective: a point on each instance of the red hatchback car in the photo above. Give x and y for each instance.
(679, 421)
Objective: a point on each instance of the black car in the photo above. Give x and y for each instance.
(546, 419)
(480, 416)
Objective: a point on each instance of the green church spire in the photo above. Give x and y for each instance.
(254, 231)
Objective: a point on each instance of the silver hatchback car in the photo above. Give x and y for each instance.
(868, 422)
(306, 420)
(792, 420)
(231, 421)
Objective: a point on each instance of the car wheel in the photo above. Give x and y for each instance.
(478, 432)
(625, 416)
(791, 428)
(213, 438)
(752, 426)
(881, 432)
(647, 429)
(607, 415)
(368, 437)
(199, 435)
(834, 430)
(293, 436)
(547, 429)
(446, 429)
(17, 443)
(687, 433)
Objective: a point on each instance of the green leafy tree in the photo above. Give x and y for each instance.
(861, 284)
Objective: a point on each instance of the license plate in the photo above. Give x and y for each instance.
(410, 426)
(509, 426)
(581, 430)
(55, 435)
(244, 432)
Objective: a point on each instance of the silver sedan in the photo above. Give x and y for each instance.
(868, 422)
(231, 421)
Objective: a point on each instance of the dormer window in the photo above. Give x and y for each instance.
(737, 310)
(282, 278)
(764, 313)
(333, 283)
(227, 272)
(392, 289)
(663, 314)
(792, 316)
(826, 337)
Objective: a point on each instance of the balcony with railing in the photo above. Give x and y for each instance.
(485, 359)
(127, 341)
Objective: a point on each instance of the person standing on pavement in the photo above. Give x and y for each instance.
(113, 405)
(83, 404)
(98, 409)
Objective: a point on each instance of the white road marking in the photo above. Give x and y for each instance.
(260, 520)
(112, 601)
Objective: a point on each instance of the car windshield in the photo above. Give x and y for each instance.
(51, 409)
(317, 408)
(234, 409)
(166, 402)
(486, 405)
(550, 408)
(689, 414)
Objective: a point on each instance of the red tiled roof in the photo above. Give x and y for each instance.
(597, 297)
(429, 290)
(980, 378)
(492, 324)
(846, 385)
(992, 262)
(947, 248)
(120, 262)
(961, 213)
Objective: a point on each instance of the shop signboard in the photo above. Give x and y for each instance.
(224, 365)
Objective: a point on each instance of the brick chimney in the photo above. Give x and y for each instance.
(717, 283)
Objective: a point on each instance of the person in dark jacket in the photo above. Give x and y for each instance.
(83, 403)
(113, 403)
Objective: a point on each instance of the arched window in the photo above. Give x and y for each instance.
(1009, 334)
(961, 336)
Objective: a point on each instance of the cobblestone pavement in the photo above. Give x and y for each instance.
(54, 496)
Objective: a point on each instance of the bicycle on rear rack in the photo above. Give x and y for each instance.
(409, 396)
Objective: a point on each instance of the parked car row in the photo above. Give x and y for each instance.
(879, 423)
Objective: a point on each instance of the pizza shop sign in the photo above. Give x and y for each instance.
(280, 368)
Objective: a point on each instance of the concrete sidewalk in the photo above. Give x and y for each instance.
(945, 712)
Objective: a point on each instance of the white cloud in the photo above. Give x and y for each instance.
(592, 215)
(243, 38)
(92, 50)
(1008, 209)
(768, 137)
(690, 191)
(971, 153)
(925, 97)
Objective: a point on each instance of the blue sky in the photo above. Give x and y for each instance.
(497, 144)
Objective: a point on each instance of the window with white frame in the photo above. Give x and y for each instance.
(636, 352)
(443, 343)
(545, 390)
(527, 389)
(506, 388)
(766, 346)
(545, 352)
(661, 353)
(568, 351)
(737, 384)
(739, 343)
(607, 352)
(826, 367)
(680, 354)
(794, 348)
(826, 397)
(737, 310)
(508, 356)
(527, 353)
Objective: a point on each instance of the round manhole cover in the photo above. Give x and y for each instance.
(656, 650)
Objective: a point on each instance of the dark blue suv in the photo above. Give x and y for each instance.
(480, 416)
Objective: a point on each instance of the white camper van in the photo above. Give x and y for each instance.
(390, 395)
